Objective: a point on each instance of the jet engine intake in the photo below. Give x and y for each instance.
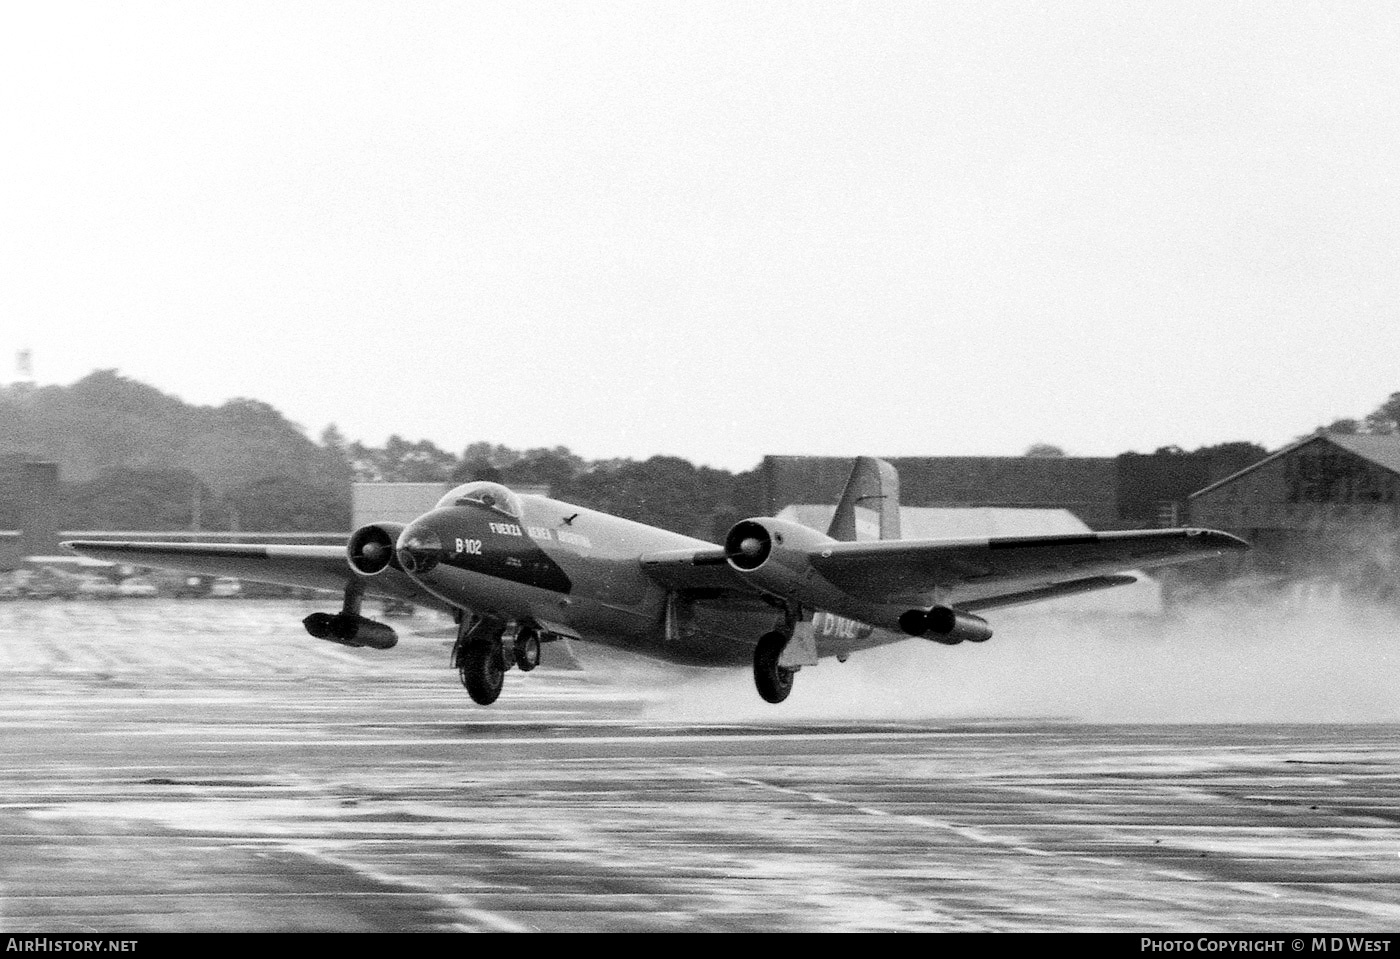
(945, 625)
(748, 545)
(350, 630)
(370, 549)
(773, 555)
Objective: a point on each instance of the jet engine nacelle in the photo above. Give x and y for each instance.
(775, 556)
(772, 554)
(370, 549)
(946, 625)
(350, 630)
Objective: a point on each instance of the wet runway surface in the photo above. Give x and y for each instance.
(206, 766)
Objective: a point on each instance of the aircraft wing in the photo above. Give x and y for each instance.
(692, 570)
(978, 571)
(970, 573)
(316, 567)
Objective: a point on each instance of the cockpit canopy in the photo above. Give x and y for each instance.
(481, 493)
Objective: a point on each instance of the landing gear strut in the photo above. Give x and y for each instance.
(773, 681)
(479, 659)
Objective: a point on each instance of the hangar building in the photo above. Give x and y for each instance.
(1328, 504)
(29, 509)
(1131, 491)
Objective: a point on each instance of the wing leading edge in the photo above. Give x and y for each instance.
(978, 571)
(314, 567)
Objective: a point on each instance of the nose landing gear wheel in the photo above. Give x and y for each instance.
(773, 681)
(483, 670)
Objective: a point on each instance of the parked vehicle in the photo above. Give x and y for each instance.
(225, 588)
(188, 587)
(94, 587)
(136, 587)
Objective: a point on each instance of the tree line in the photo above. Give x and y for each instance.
(135, 458)
(1384, 420)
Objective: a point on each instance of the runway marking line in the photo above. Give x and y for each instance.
(1263, 890)
(964, 832)
(455, 901)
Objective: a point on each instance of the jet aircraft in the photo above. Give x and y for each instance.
(518, 572)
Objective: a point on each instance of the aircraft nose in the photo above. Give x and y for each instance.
(419, 548)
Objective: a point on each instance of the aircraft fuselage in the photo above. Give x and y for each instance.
(561, 564)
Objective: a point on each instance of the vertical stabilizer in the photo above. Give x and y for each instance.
(874, 486)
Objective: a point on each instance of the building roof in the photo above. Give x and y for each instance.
(1087, 485)
(1384, 451)
(945, 522)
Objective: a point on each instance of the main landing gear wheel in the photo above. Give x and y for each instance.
(483, 669)
(773, 681)
(527, 650)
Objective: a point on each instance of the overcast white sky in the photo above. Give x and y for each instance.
(714, 230)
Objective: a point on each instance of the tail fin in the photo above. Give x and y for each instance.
(873, 485)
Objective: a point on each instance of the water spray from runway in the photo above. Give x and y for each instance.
(1308, 653)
